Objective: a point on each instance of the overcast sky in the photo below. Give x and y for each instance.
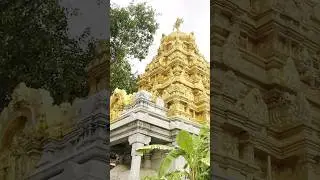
(196, 16)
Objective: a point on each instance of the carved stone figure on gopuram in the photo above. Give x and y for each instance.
(179, 75)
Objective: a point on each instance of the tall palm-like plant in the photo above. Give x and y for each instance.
(195, 149)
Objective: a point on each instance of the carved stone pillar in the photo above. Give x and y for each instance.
(269, 168)
(137, 141)
(248, 152)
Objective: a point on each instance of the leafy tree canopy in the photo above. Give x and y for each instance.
(35, 48)
(132, 29)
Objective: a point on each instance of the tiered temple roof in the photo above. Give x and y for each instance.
(179, 75)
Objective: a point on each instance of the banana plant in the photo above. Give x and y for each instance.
(195, 149)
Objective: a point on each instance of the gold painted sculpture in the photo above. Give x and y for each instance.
(118, 101)
(177, 24)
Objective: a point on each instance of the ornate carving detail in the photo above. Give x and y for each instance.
(255, 106)
(36, 106)
(221, 19)
(305, 60)
(309, 69)
(16, 158)
(183, 83)
(143, 125)
(118, 101)
(231, 85)
(301, 110)
(296, 9)
(231, 54)
(291, 77)
(139, 138)
(29, 119)
(177, 24)
(287, 76)
(287, 110)
(229, 145)
(143, 95)
(274, 76)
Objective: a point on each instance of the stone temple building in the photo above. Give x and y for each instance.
(173, 95)
(265, 89)
(42, 141)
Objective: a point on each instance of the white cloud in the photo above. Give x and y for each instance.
(196, 16)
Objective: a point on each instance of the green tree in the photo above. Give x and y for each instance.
(194, 149)
(35, 48)
(121, 76)
(132, 29)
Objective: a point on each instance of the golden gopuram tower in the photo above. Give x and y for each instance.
(179, 75)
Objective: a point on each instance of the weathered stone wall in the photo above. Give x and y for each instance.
(265, 89)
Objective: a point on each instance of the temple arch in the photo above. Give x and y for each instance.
(19, 117)
(15, 126)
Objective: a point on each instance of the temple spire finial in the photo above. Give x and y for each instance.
(177, 24)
